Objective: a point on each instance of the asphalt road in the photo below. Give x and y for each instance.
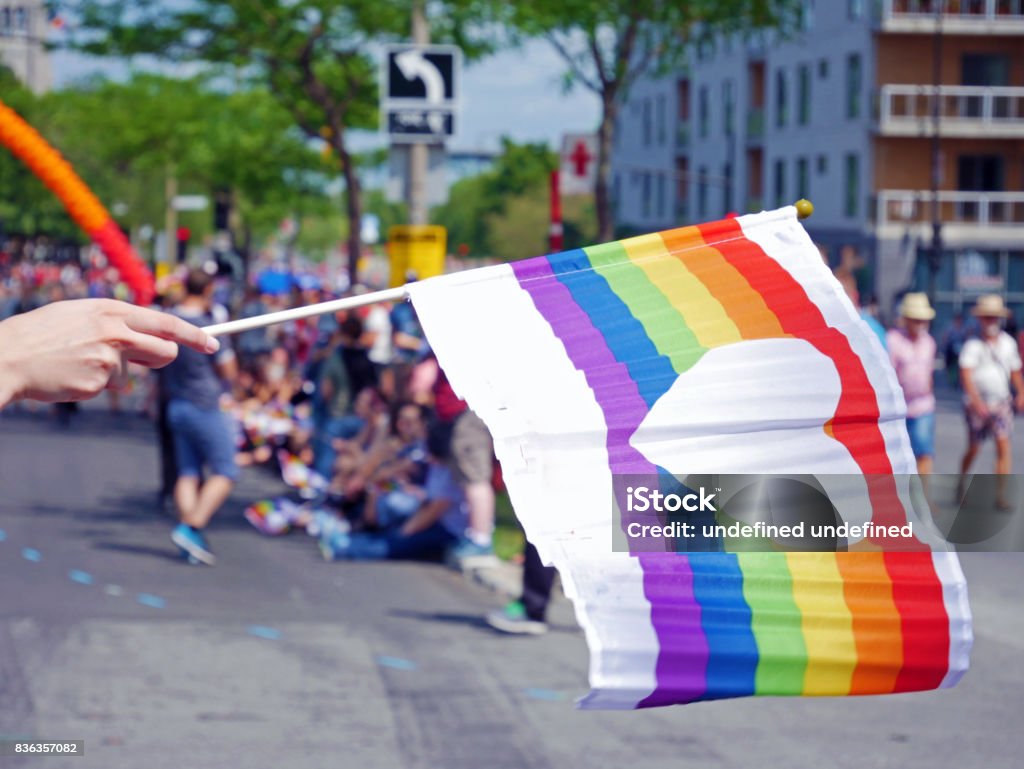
(277, 659)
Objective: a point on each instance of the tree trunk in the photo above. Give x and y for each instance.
(353, 207)
(245, 249)
(602, 192)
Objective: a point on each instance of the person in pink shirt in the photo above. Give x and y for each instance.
(912, 352)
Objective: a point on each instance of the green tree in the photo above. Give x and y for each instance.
(124, 137)
(504, 212)
(473, 202)
(121, 138)
(26, 205)
(607, 45)
(313, 55)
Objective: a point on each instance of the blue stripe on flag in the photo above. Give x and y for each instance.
(726, 620)
(624, 334)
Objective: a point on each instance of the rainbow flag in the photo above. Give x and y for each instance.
(725, 347)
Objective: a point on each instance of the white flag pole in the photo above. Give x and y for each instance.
(308, 311)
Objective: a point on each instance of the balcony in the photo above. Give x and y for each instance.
(958, 17)
(965, 111)
(978, 217)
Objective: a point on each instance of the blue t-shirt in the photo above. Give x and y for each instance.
(441, 484)
(404, 321)
(192, 376)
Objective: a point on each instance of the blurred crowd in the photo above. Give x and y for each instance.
(350, 408)
(383, 459)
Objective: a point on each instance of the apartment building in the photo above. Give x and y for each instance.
(841, 112)
(23, 27)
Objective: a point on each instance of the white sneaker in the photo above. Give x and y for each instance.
(512, 619)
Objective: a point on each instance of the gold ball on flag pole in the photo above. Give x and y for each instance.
(804, 208)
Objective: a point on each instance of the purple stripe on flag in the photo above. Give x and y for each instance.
(668, 579)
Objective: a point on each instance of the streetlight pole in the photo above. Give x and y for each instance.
(418, 151)
(935, 257)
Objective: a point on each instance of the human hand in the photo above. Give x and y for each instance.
(1019, 405)
(978, 406)
(70, 351)
(354, 486)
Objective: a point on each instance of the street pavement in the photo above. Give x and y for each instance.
(275, 658)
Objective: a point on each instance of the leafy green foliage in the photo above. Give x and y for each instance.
(26, 205)
(124, 138)
(505, 211)
(314, 56)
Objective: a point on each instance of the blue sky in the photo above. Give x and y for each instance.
(516, 93)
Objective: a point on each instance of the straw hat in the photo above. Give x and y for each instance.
(990, 306)
(916, 307)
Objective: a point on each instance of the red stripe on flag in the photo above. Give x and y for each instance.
(916, 589)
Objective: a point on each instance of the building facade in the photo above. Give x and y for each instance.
(842, 112)
(23, 27)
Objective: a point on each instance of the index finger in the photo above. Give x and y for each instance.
(167, 326)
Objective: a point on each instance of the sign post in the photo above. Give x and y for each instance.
(556, 232)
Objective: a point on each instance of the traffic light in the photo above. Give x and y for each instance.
(184, 234)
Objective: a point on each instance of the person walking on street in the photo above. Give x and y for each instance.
(912, 352)
(203, 436)
(988, 366)
(528, 615)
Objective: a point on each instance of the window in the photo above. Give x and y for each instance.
(660, 196)
(851, 185)
(728, 106)
(646, 118)
(803, 183)
(822, 165)
(823, 69)
(20, 19)
(682, 178)
(780, 99)
(683, 100)
(702, 193)
(705, 48)
(727, 188)
(985, 69)
(854, 84)
(645, 200)
(660, 118)
(855, 9)
(780, 183)
(703, 109)
(804, 94)
(981, 173)
(806, 15)
(5, 19)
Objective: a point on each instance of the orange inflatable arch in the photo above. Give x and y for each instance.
(56, 173)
